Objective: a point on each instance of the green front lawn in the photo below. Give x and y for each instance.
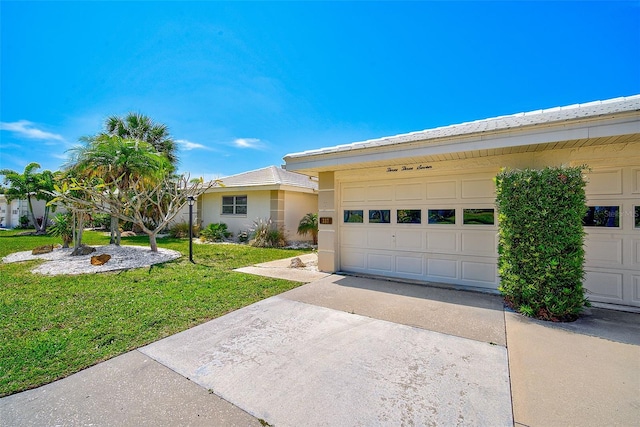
(53, 326)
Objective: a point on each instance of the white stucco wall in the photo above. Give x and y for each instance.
(258, 206)
(297, 205)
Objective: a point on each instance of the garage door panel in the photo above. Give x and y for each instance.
(603, 251)
(379, 193)
(443, 268)
(442, 241)
(605, 182)
(441, 190)
(636, 251)
(354, 237)
(380, 263)
(380, 239)
(353, 260)
(411, 191)
(410, 240)
(482, 272)
(607, 287)
(353, 194)
(482, 243)
(413, 265)
(478, 188)
(636, 289)
(636, 181)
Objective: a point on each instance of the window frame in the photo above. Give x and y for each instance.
(234, 205)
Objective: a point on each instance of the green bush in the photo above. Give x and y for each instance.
(541, 238)
(216, 232)
(101, 220)
(181, 230)
(265, 234)
(62, 227)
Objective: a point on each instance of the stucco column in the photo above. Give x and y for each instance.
(277, 208)
(328, 250)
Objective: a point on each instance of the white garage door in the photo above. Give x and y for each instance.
(613, 236)
(441, 229)
(444, 229)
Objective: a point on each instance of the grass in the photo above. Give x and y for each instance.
(53, 326)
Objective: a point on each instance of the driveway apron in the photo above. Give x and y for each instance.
(294, 363)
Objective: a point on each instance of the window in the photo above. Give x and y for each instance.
(441, 216)
(409, 216)
(380, 216)
(353, 215)
(602, 216)
(478, 217)
(637, 216)
(234, 205)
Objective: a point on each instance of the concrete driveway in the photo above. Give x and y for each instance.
(348, 351)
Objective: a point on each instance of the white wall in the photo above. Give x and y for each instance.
(258, 206)
(297, 205)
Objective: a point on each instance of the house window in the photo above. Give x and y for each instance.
(602, 216)
(478, 217)
(442, 216)
(234, 205)
(353, 215)
(409, 216)
(380, 216)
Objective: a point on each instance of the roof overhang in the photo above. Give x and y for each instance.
(248, 188)
(615, 128)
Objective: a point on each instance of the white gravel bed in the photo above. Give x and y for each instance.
(60, 260)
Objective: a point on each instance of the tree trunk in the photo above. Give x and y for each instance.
(115, 231)
(152, 241)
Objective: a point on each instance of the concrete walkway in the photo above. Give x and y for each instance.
(348, 351)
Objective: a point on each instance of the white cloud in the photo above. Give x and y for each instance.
(26, 129)
(253, 143)
(188, 145)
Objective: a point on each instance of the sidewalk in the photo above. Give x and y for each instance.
(360, 351)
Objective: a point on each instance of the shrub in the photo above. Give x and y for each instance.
(181, 230)
(540, 249)
(63, 227)
(101, 220)
(266, 235)
(216, 232)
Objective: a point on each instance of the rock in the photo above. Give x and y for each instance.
(42, 250)
(83, 250)
(127, 234)
(100, 259)
(297, 263)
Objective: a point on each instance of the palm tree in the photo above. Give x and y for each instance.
(118, 162)
(309, 225)
(139, 127)
(30, 185)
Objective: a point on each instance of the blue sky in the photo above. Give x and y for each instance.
(241, 84)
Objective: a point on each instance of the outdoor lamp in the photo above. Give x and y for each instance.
(191, 200)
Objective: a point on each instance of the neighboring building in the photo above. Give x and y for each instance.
(268, 193)
(11, 212)
(421, 205)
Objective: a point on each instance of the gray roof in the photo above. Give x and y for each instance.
(269, 176)
(521, 120)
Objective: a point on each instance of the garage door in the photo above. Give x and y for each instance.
(441, 229)
(444, 229)
(613, 236)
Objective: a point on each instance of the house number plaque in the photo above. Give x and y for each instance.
(326, 220)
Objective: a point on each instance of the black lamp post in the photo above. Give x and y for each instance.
(191, 200)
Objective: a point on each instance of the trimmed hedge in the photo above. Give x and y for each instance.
(541, 241)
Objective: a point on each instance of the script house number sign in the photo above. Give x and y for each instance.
(407, 168)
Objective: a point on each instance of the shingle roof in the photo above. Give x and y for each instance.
(270, 175)
(514, 121)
